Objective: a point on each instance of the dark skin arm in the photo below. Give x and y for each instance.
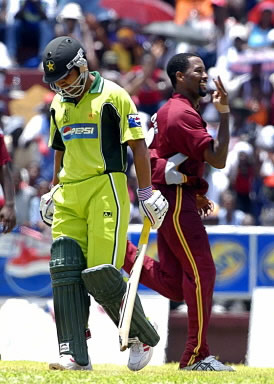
(7, 213)
(216, 154)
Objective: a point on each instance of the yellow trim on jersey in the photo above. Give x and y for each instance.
(176, 222)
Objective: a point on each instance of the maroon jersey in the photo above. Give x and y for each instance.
(4, 156)
(181, 129)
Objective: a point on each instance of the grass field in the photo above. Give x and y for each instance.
(17, 372)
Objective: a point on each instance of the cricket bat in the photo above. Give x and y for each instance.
(127, 305)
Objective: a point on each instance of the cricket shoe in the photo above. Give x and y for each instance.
(67, 362)
(139, 356)
(209, 364)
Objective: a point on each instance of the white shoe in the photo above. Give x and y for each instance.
(209, 364)
(139, 355)
(67, 362)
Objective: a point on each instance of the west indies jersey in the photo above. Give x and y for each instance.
(182, 129)
(94, 132)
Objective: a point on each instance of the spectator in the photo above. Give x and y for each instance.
(35, 218)
(36, 134)
(69, 21)
(29, 29)
(218, 182)
(240, 126)
(72, 22)
(89, 7)
(13, 127)
(242, 175)
(23, 196)
(184, 9)
(3, 9)
(227, 214)
(149, 92)
(5, 58)
(109, 67)
(33, 172)
(256, 93)
(127, 48)
(7, 211)
(265, 142)
(258, 37)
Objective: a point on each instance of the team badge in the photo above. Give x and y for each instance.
(134, 121)
(50, 65)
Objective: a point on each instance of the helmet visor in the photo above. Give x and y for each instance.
(74, 89)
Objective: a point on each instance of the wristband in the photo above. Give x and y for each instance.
(144, 193)
(223, 108)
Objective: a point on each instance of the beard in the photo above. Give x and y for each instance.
(202, 92)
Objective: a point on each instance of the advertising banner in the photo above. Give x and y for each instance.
(244, 259)
(24, 264)
(265, 261)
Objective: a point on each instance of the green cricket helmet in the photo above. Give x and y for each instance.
(59, 57)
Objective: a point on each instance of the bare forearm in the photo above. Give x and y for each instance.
(216, 155)
(141, 162)
(221, 146)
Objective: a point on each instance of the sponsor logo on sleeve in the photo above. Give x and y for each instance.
(134, 121)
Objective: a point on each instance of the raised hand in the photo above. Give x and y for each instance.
(220, 97)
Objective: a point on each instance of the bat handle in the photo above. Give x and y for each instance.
(145, 232)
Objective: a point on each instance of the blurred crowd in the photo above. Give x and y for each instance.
(235, 38)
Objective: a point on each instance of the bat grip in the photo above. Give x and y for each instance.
(145, 232)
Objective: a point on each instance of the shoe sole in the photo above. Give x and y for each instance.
(207, 370)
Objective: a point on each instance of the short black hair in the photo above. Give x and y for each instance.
(179, 62)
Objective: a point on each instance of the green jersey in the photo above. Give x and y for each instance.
(94, 132)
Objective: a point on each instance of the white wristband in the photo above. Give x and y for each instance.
(223, 108)
(144, 193)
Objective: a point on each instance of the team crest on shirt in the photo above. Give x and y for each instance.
(134, 120)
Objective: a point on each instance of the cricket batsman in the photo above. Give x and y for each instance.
(93, 121)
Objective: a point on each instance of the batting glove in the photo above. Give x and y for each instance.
(47, 206)
(153, 205)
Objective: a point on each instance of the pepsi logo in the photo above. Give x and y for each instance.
(80, 131)
(66, 132)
